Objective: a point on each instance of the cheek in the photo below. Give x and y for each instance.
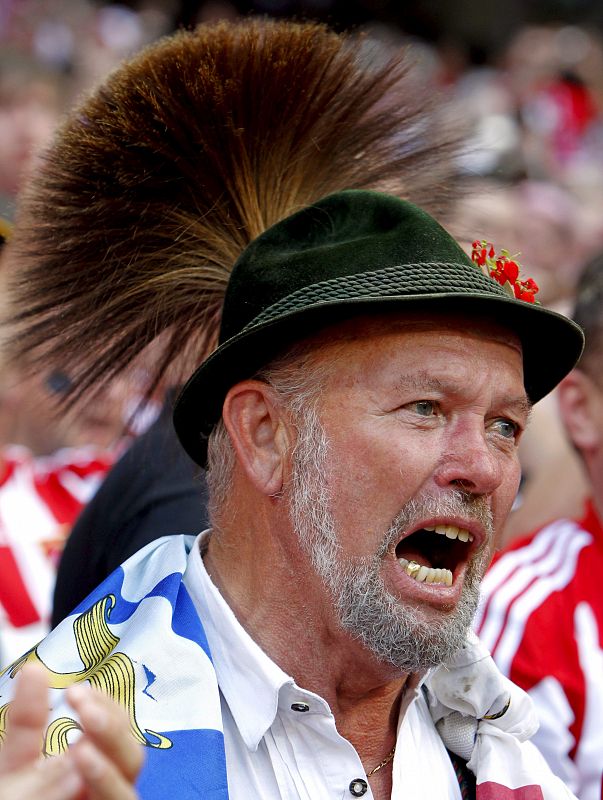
(507, 492)
(377, 474)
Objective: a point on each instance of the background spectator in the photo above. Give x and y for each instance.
(542, 606)
(51, 463)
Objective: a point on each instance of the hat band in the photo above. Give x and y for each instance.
(423, 278)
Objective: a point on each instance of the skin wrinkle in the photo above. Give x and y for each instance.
(468, 459)
(425, 382)
(299, 377)
(298, 380)
(392, 631)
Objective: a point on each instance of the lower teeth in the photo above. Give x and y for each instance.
(424, 574)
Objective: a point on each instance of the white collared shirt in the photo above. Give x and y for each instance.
(281, 741)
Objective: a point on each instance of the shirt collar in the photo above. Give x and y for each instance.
(249, 680)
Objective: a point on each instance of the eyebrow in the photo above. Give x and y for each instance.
(424, 381)
(521, 404)
(420, 381)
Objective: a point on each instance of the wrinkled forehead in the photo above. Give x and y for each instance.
(336, 338)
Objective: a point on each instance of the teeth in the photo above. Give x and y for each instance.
(425, 574)
(412, 568)
(451, 532)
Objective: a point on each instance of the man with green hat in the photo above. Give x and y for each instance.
(359, 420)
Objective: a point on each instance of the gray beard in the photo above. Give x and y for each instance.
(395, 633)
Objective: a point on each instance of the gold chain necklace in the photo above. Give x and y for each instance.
(383, 763)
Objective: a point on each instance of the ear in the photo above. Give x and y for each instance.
(578, 404)
(259, 433)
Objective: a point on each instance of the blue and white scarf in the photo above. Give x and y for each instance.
(138, 638)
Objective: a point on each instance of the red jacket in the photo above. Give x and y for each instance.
(541, 617)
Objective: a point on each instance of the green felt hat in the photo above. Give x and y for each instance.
(356, 252)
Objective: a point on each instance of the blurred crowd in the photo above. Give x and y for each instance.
(532, 168)
(533, 110)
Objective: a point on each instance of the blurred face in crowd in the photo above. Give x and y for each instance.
(104, 418)
(27, 124)
(31, 414)
(404, 473)
(581, 405)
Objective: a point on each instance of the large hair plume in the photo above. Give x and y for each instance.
(156, 183)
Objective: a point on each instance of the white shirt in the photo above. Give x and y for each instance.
(275, 751)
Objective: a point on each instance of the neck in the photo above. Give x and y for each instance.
(269, 583)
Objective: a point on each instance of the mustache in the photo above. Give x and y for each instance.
(456, 502)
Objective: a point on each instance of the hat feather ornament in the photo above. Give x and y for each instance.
(159, 180)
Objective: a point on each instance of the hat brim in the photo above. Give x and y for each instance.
(551, 343)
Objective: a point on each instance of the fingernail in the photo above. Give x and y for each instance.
(93, 715)
(70, 783)
(61, 773)
(89, 760)
(78, 692)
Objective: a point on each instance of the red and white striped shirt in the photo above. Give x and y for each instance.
(40, 499)
(541, 617)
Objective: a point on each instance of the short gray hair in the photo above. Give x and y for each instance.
(298, 379)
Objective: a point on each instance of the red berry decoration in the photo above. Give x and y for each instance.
(504, 270)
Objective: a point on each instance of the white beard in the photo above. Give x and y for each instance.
(394, 632)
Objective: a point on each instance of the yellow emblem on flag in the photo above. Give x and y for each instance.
(108, 671)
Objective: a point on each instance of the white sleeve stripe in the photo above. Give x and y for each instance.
(37, 575)
(512, 573)
(519, 573)
(534, 595)
(531, 553)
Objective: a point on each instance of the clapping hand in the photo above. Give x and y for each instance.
(102, 765)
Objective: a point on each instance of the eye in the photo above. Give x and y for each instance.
(424, 408)
(506, 428)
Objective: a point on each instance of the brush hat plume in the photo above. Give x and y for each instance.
(160, 179)
(214, 190)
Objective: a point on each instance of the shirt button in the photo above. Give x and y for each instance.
(358, 787)
(300, 707)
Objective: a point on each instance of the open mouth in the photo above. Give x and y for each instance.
(434, 553)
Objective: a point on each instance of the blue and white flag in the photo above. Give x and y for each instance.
(138, 638)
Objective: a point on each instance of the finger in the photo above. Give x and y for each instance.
(52, 779)
(102, 778)
(27, 717)
(107, 727)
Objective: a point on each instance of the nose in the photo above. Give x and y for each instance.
(472, 463)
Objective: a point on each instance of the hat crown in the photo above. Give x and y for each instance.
(357, 252)
(348, 233)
